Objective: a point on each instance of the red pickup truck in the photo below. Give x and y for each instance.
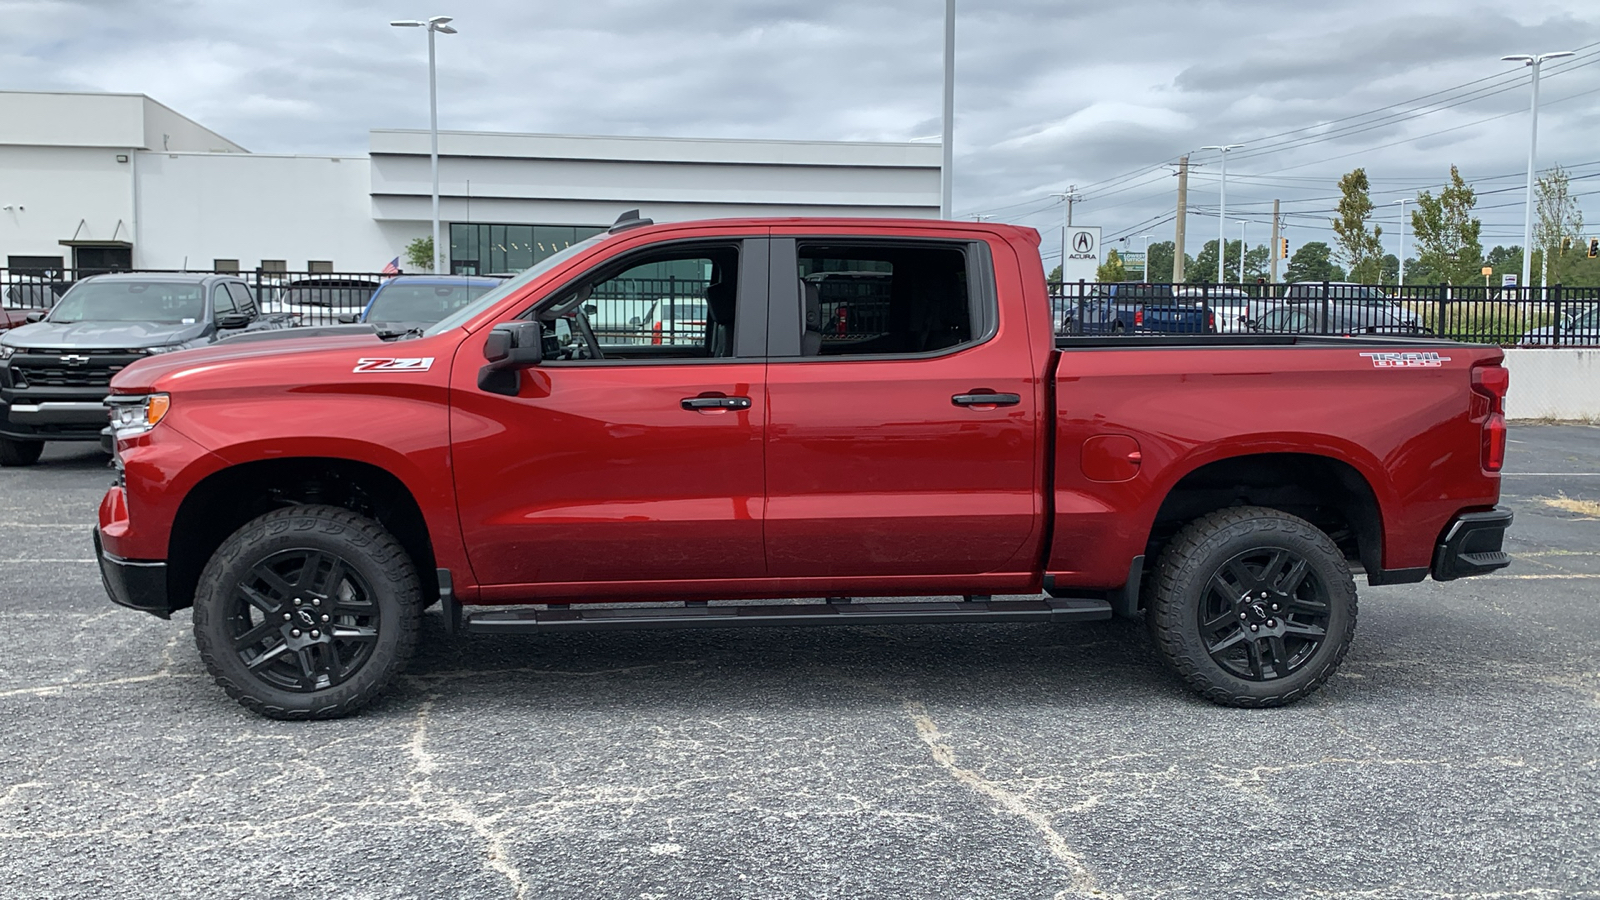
(309, 495)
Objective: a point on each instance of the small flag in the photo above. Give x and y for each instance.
(392, 267)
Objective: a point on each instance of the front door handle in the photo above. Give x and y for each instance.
(978, 399)
(697, 403)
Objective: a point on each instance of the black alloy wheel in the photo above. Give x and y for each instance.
(303, 620)
(1264, 614)
(307, 612)
(1252, 606)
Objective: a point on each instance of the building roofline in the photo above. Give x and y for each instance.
(654, 138)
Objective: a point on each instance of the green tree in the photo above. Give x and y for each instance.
(1112, 270)
(1203, 270)
(1055, 275)
(1558, 230)
(1391, 269)
(1313, 262)
(419, 254)
(1359, 246)
(1447, 233)
(1160, 258)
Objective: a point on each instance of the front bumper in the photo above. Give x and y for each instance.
(134, 584)
(52, 420)
(1472, 545)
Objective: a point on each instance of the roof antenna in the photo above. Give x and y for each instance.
(185, 265)
(629, 219)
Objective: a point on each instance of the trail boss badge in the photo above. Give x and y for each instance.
(1428, 360)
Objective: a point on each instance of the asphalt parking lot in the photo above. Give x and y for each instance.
(1457, 754)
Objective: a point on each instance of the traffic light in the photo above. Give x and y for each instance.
(1594, 247)
(1283, 248)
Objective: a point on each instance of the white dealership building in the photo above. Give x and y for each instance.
(96, 181)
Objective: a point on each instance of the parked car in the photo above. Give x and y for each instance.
(1230, 306)
(27, 298)
(311, 496)
(56, 372)
(1136, 308)
(1580, 330)
(417, 301)
(1358, 302)
(621, 320)
(676, 321)
(320, 300)
(1312, 319)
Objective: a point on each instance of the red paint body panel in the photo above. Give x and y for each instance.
(845, 476)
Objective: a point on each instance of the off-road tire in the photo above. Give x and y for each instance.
(372, 557)
(15, 453)
(1182, 589)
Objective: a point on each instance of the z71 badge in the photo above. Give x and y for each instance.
(386, 364)
(1428, 360)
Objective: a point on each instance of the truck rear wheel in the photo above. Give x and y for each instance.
(19, 453)
(307, 612)
(1252, 607)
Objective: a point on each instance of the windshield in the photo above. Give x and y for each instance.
(455, 319)
(423, 302)
(163, 302)
(343, 296)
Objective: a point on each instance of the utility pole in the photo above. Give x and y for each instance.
(1182, 221)
(1070, 195)
(1402, 202)
(1274, 253)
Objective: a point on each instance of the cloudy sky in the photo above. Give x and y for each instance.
(1050, 93)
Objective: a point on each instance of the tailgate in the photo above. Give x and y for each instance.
(1175, 319)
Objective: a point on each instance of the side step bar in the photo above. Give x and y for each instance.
(577, 618)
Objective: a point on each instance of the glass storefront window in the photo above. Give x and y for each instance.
(489, 248)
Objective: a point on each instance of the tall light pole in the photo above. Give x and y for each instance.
(1242, 224)
(1533, 62)
(1222, 208)
(946, 175)
(1402, 202)
(1147, 237)
(1068, 197)
(437, 24)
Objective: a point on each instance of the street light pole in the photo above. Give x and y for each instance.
(1242, 224)
(436, 24)
(1402, 202)
(946, 173)
(1147, 238)
(1533, 62)
(1067, 197)
(1222, 209)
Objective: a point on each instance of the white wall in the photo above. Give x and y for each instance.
(1554, 384)
(251, 207)
(51, 190)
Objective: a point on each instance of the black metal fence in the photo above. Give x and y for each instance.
(1556, 316)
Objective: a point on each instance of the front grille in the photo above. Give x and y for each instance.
(69, 368)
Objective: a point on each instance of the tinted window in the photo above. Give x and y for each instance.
(165, 302)
(422, 302)
(859, 299)
(242, 299)
(221, 300)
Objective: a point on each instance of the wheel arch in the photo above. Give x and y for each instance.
(226, 499)
(1331, 493)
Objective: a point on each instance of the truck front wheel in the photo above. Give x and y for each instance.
(307, 612)
(1252, 607)
(19, 453)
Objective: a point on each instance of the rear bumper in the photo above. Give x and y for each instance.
(134, 584)
(1472, 545)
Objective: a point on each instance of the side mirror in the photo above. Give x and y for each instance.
(510, 348)
(233, 320)
(36, 316)
(349, 318)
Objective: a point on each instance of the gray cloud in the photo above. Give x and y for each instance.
(1049, 93)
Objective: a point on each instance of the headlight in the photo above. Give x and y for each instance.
(135, 414)
(165, 348)
(5, 352)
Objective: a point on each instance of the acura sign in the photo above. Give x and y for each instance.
(1083, 253)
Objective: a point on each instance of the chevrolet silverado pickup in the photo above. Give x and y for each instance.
(955, 462)
(56, 372)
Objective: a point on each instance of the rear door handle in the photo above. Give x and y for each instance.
(986, 399)
(695, 403)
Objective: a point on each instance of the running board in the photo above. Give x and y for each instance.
(577, 618)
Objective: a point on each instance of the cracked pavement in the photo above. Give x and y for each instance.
(1457, 753)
